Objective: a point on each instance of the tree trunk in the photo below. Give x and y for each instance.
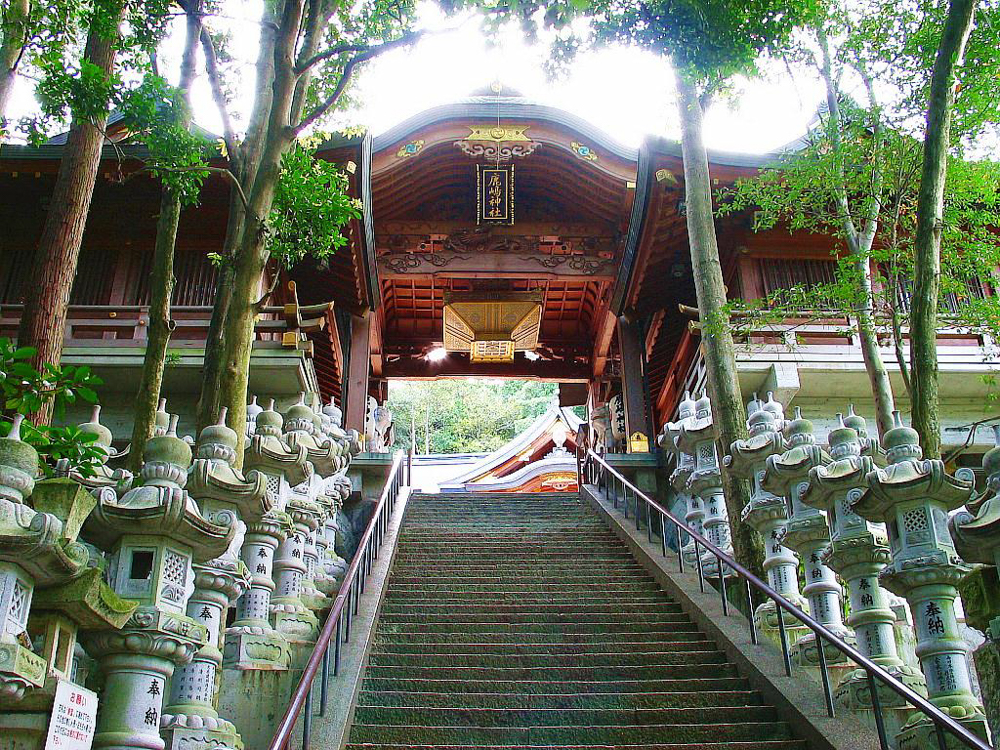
(878, 374)
(15, 35)
(162, 277)
(244, 166)
(717, 344)
(44, 321)
(859, 243)
(930, 212)
(161, 283)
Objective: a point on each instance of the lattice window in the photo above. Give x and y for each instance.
(706, 453)
(273, 487)
(19, 605)
(779, 273)
(915, 521)
(174, 569)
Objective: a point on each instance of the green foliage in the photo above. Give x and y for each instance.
(707, 40)
(71, 85)
(24, 389)
(311, 207)
(156, 113)
(466, 415)
(799, 193)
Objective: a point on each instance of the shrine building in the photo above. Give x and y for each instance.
(583, 278)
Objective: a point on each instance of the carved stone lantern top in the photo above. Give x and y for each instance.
(976, 532)
(300, 430)
(786, 469)
(908, 477)
(748, 456)
(213, 475)
(18, 465)
(847, 469)
(161, 507)
(268, 453)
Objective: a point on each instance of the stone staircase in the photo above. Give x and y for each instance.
(521, 621)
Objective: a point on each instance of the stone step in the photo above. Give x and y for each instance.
(568, 735)
(515, 581)
(562, 598)
(606, 661)
(540, 618)
(591, 718)
(445, 684)
(677, 668)
(681, 699)
(754, 745)
(516, 621)
(529, 609)
(600, 641)
(396, 646)
(521, 628)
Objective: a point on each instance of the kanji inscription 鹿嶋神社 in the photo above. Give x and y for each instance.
(495, 194)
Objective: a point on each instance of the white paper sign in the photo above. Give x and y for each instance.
(74, 718)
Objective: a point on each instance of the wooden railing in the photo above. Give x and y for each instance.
(127, 325)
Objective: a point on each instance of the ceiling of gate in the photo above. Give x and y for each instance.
(573, 191)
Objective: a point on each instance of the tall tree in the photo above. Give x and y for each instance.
(308, 54)
(930, 215)
(859, 177)
(177, 157)
(88, 96)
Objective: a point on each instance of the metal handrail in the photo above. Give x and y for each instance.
(337, 627)
(595, 468)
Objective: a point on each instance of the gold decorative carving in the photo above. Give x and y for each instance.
(492, 325)
(496, 133)
(494, 151)
(665, 175)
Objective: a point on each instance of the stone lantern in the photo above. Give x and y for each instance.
(858, 552)
(253, 410)
(251, 641)
(155, 532)
(697, 437)
(694, 513)
(976, 533)
(191, 716)
(67, 598)
(913, 497)
(806, 532)
(101, 477)
(20, 667)
(39, 552)
(767, 513)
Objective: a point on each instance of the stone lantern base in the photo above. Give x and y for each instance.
(191, 731)
(257, 648)
(765, 617)
(919, 733)
(852, 693)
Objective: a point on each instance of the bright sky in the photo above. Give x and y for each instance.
(625, 92)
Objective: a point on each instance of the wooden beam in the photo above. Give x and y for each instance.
(541, 228)
(637, 424)
(357, 377)
(458, 365)
(447, 264)
(602, 341)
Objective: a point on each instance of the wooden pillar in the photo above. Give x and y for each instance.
(630, 344)
(357, 373)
